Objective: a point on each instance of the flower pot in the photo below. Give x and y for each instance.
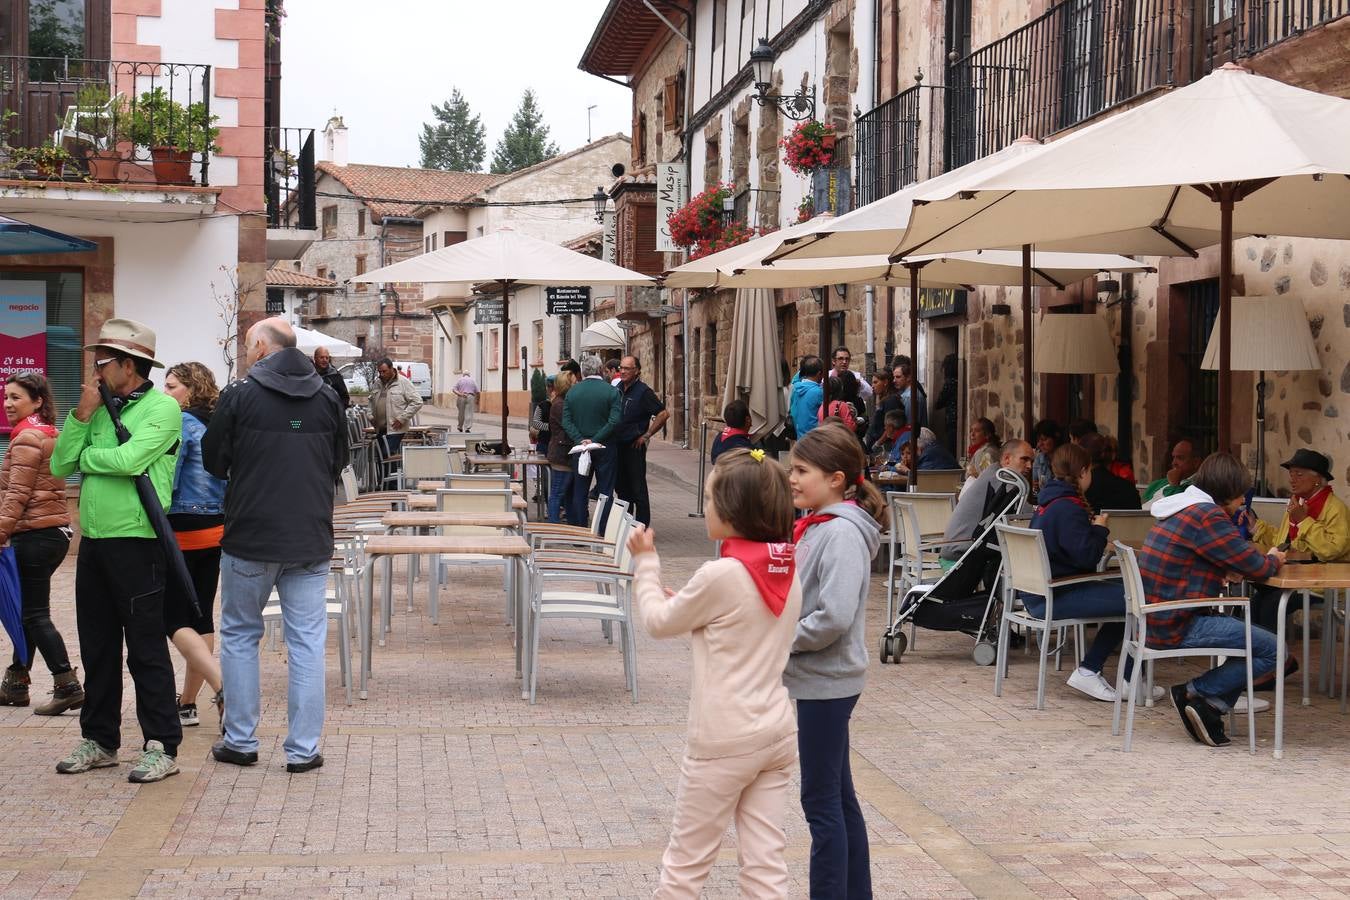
(171, 165)
(104, 165)
(827, 142)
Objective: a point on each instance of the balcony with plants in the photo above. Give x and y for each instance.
(106, 121)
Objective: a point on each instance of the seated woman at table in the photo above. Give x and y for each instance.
(1075, 541)
(1189, 554)
(1316, 523)
(932, 455)
(887, 443)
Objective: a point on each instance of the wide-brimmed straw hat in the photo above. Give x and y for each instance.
(1311, 460)
(127, 336)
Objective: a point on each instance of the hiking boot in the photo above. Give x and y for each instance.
(87, 755)
(1208, 722)
(1181, 702)
(14, 687)
(66, 694)
(187, 715)
(154, 765)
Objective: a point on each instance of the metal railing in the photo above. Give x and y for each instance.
(288, 178)
(1238, 28)
(1078, 59)
(121, 107)
(887, 146)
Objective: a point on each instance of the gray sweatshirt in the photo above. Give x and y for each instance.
(834, 565)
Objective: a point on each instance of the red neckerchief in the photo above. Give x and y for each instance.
(34, 422)
(974, 448)
(730, 432)
(799, 527)
(1314, 506)
(770, 567)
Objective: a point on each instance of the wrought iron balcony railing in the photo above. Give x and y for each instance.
(1238, 28)
(288, 178)
(128, 114)
(887, 142)
(1078, 59)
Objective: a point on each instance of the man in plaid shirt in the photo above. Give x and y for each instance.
(1189, 554)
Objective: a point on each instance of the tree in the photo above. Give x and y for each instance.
(455, 142)
(525, 141)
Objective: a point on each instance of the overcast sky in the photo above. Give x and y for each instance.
(381, 66)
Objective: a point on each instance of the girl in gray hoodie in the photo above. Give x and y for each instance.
(828, 664)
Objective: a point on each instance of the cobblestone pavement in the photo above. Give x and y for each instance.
(446, 784)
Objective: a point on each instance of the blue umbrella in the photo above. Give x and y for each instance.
(21, 237)
(11, 604)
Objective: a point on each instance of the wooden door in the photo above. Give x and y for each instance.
(49, 49)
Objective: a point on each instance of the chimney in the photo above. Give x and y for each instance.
(335, 141)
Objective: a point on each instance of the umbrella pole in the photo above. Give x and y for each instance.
(890, 328)
(1226, 193)
(1028, 379)
(825, 361)
(506, 333)
(917, 424)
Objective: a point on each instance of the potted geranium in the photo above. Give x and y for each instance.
(732, 234)
(806, 209)
(48, 160)
(700, 219)
(105, 119)
(173, 133)
(809, 146)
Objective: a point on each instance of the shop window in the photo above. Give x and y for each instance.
(62, 294)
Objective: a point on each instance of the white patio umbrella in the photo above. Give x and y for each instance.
(607, 334)
(1232, 154)
(703, 272)
(507, 258)
(753, 371)
(308, 340)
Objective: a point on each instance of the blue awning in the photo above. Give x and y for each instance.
(20, 237)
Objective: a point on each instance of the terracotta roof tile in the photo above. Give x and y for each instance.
(418, 187)
(281, 275)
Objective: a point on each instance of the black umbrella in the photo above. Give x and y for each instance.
(153, 509)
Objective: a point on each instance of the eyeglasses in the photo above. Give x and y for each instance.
(627, 368)
(100, 363)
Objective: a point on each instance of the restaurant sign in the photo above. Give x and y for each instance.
(671, 193)
(568, 301)
(934, 302)
(609, 240)
(489, 311)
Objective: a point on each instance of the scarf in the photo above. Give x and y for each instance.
(974, 448)
(799, 527)
(1314, 505)
(729, 432)
(33, 422)
(770, 567)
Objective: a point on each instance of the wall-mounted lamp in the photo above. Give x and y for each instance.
(798, 106)
(728, 210)
(842, 290)
(601, 201)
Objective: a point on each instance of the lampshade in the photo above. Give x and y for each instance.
(1075, 344)
(1270, 334)
(761, 61)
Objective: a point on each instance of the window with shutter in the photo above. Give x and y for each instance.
(647, 259)
(670, 106)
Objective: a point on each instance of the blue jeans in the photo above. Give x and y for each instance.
(559, 495)
(1085, 601)
(840, 862)
(603, 463)
(245, 586)
(1222, 686)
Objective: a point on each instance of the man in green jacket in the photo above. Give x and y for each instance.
(590, 412)
(120, 571)
(1185, 462)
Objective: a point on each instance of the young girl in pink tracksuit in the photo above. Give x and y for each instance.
(741, 612)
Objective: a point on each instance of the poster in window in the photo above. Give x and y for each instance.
(23, 330)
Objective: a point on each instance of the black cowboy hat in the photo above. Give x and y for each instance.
(1310, 460)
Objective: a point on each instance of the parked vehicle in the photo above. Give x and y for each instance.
(355, 379)
(419, 373)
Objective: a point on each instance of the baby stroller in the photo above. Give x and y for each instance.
(963, 599)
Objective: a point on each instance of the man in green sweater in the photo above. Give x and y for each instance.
(590, 412)
(1185, 461)
(120, 571)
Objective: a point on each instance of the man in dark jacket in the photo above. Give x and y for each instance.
(641, 415)
(323, 364)
(590, 412)
(278, 436)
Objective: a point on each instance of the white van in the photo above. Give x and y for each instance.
(419, 373)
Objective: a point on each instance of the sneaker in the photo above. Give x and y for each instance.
(1258, 705)
(87, 755)
(1180, 701)
(1208, 722)
(1092, 684)
(187, 715)
(154, 765)
(1141, 697)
